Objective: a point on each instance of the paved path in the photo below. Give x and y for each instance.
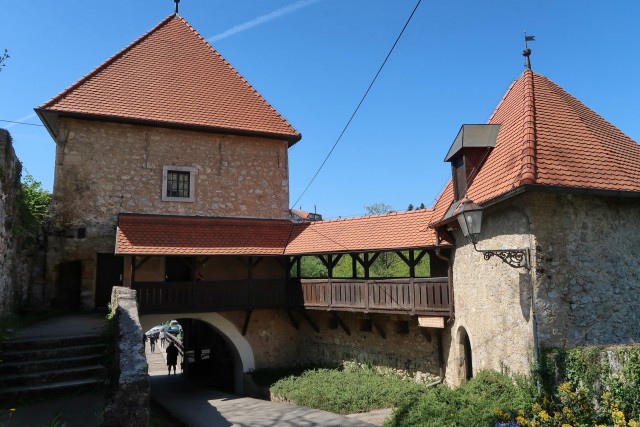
(197, 406)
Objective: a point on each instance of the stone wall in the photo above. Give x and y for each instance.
(492, 300)
(14, 267)
(103, 169)
(405, 347)
(129, 404)
(585, 280)
(587, 268)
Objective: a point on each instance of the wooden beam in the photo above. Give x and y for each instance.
(138, 265)
(246, 322)
(293, 320)
(421, 255)
(310, 321)
(343, 325)
(378, 327)
(354, 266)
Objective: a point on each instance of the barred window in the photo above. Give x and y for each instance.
(178, 183)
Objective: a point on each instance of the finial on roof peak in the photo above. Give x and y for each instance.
(527, 52)
(176, 1)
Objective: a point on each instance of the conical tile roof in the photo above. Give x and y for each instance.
(171, 77)
(549, 138)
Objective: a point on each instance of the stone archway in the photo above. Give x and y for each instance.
(465, 356)
(227, 350)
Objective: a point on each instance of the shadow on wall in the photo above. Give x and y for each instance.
(526, 295)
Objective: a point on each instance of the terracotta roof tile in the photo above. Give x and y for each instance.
(402, 230)
(171, 235)
(172, 76)
(571, 146)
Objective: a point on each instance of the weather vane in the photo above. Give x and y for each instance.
(176, 1)
(527, 52)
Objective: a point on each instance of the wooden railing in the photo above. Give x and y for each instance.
(409, 296)
(415, 296)
(222, 295)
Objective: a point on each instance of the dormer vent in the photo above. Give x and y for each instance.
(468, 151)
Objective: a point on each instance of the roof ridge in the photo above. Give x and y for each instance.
(249, 85)
(528, 167)
(394, 213)
(120, 53)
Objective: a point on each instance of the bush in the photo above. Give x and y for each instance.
(346, 391)
(573, 408)
(474, 404)
(34, 206)
(595, 370)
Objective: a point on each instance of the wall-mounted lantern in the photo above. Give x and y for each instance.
(469, 217)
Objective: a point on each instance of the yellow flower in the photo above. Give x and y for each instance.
(544, 416)
(632, 423)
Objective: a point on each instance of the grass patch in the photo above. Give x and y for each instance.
(346, 391)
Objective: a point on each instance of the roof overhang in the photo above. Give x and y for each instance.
(139, 234)
(50, 119)
(449, 216)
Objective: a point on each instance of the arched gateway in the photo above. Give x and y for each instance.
(216, 353)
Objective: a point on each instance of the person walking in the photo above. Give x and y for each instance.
(172, 357)
(152, 343)
(163, 335)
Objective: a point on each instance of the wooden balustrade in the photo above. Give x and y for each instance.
(417, 296)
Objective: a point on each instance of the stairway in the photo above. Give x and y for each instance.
(39, 367)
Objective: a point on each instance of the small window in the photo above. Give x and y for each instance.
(178, 183)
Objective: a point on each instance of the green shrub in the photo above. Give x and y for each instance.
(344, 392)
(589, 369)
(474, 404)
(34, 203)
(573, 408)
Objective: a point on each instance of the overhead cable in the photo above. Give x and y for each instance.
(359, 104)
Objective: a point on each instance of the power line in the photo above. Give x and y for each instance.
(20, 123)
(359, 104)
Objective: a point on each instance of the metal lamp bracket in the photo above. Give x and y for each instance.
(516, 258)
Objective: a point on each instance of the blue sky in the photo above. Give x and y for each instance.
(313, 60)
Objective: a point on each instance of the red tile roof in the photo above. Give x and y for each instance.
(171, 76)
(170, 235)
(402, 230)
(548, 137)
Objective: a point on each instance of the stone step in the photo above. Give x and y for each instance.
(33, 355)
(13, 368)
(53, 342)
(54, 376)
(12, 394)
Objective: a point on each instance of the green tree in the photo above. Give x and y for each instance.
(34, 203)
(3, 58)
(410, 208)
(378, 208)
